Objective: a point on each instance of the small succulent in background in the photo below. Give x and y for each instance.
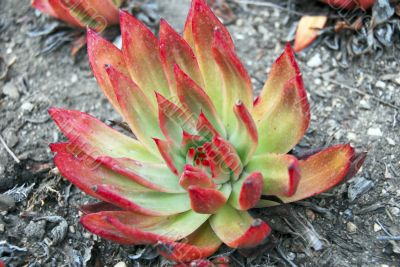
(82, 13)
(205, 152)
(349, 4)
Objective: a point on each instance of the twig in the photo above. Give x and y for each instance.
(280, 252)
(9, 150)
(385, 237)
(363, 93)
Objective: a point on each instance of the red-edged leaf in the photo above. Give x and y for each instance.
(280, 172)
(149, 203)
(175, 50)
(97, 223)
(236, 82)
(173, 120)
(238, 229)
(153, 229)
(246, 192)
(136, 108)
(85, 14)
(283, 70)
(195, 176)
(307, 31)
(171, 154)
(205, 128)
(154, 176)
(96, 138)
(141, 52)
(245, 136)
(44, 6)
(98, 207)
(208, 200)
(222, 153)
(286, 122)
(322, 171)
(101, 53)
(105, 11)
(201, 244)
(86, 173)
(204, 23)
(340, 3)
(63, 13)
(195, 100)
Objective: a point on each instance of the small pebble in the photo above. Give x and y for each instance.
(315, 61)
(71, 229)
(120, 264)
(351, 227)
(27, 106)
(377, 228)
(380, 84)
(310, 215)
(2, 228)
(390, 141)
(374, 132)
(351, 136)
(11, 90)
(395, 211)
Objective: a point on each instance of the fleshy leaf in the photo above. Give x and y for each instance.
(86, 173)
(286, 122)
(98, 207)
(141, 52)
(96, 138)
(136, 108)
(173, 120)
(100, 54)
(284, 69)
(97, 223)
(44, 6)
(246, 192)
(105, 11)
(63, 13)
(152, 229)
(195, 100)
(149, 203)
(175, 50)
(200, 244)
(245, 136)
(322, 171)
(238, 229)
(195, 176)
(280, 172)
(154, 176)
(84, 13)
(171, 154)
(208, 200)
(204, 23)
(236, 82)
(307, 31)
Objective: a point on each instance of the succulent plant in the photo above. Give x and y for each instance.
(204, 152)
(97, 14)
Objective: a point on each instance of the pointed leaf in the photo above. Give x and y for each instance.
(246, 192)
(245, 136)
(97, 223)
(238, 229)
(85, 173)
(208, 200)
(195, 100)
(105, 11)
(173, 120)
(98, 207)
(307, 31)
(204, 23)
(149, 203)
(96, 138)
(151, 230)
(171, 155)
(63, 13)
(322, 171)
(283, 70)
(236, 82)
(286, 122)
(83, 12)
(151, 175)
(200, 244)
(101, 53)
(175, 50)
(280, 172)
(136, 108)
(141, 52)
(205, 128)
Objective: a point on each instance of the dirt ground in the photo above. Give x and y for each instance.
(359, 104)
